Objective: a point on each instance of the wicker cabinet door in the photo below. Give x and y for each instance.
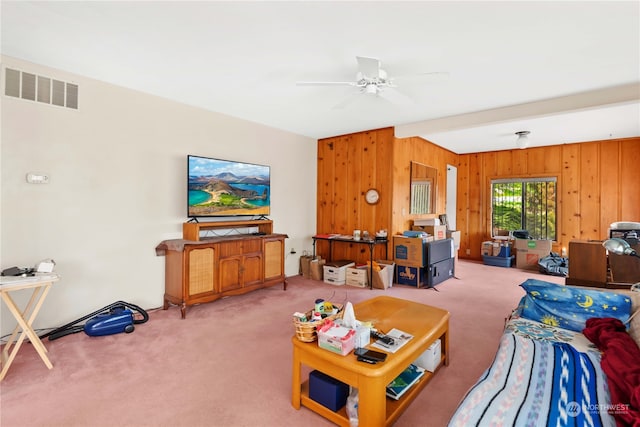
(200, 271)
(273, 258)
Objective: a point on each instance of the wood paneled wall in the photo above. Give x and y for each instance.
(598, 183)
(419, 150)
(348, 166)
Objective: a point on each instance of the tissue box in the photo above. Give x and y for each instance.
(335, 338)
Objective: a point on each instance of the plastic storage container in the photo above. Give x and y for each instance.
(498, 261)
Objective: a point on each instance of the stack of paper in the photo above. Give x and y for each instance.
(400, 338)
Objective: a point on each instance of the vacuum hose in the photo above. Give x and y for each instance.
(73, 327)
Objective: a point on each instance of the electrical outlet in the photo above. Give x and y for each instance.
(468, 251)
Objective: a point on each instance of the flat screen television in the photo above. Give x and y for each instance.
(220, 188)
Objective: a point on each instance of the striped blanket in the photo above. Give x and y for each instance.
(537, 383)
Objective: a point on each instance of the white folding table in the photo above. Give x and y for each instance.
(40, 286)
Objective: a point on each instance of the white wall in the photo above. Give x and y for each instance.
(117, 188)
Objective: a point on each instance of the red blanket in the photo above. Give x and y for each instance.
(621, 363)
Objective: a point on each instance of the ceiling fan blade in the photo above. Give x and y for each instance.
(347, 100)
(394, 96)
(325, 84)
(370, 67)
(435, 76)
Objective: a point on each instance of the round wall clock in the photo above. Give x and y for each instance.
(372, 196)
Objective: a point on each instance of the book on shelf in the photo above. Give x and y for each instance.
(400, 338)
(404, 381)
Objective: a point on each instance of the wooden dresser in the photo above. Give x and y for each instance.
(590, 266)
(201, 268)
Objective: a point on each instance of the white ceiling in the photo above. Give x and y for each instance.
(566, 71)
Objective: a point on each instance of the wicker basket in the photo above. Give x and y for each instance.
(308, 331)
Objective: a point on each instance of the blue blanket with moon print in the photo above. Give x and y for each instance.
(569, 307)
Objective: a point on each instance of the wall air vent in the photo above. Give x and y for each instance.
(20, 84)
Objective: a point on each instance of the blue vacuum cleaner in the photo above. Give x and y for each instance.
(113, 319)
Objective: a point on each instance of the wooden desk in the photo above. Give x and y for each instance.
(40, 286)
(424, 322)
(371, 243)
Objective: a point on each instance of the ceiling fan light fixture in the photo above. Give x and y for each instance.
(523, 139)
(371, 88)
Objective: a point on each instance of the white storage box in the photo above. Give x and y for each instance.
(335, 272)
(357, 276)
(363, 336)
(430, 359)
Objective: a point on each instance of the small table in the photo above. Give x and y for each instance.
(40, 286)
(425, 323)
(369, 242)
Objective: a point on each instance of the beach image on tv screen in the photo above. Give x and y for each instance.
(227, 188)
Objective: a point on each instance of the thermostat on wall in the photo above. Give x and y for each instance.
(37, 178)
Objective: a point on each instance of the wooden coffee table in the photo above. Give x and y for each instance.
(425, 323)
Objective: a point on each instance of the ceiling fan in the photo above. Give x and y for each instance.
(371, 79)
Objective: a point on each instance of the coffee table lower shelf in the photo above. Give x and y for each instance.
(394, 408)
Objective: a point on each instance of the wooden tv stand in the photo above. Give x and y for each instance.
(193, 230)
(201, 268)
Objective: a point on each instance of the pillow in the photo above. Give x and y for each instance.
(569, 307)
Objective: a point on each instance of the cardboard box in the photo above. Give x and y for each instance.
(336, 339)
(496, 248)
(487, 248)
(383, 279)
(410, 275)
(438, 232)
(427, 221)
(316, 267)
(529, 251)
(455, 236)
(409, 250)
(327, 391)
(357, 276)
(430, 359)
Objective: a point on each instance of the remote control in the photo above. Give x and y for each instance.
(364, 359)
(382, 337)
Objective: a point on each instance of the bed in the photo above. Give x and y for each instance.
(568, 357)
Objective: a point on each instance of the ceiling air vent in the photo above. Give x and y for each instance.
(20, 84)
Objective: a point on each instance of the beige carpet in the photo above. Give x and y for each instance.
(229, 362)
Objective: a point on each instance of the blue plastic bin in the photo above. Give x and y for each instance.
(498, 261)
